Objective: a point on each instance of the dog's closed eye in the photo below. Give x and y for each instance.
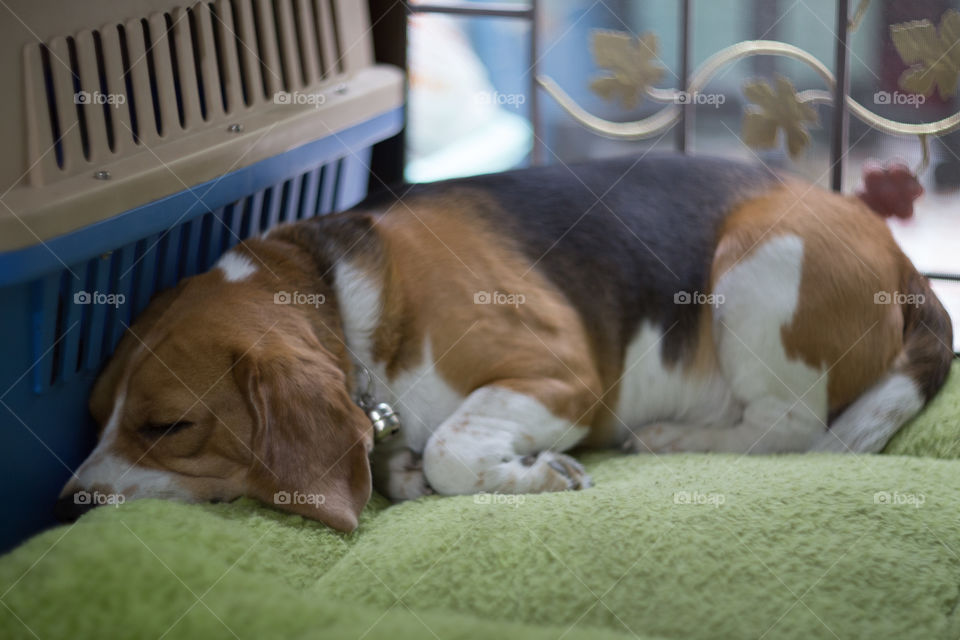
(160, 429)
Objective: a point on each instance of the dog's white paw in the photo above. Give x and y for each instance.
(403, 478)
(552, 471)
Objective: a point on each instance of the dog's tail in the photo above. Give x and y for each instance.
(915, 377)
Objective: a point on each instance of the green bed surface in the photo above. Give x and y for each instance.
(686, 546)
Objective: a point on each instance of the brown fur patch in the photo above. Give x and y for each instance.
(526, 337)
(849, 256)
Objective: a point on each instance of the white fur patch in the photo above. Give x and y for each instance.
(422, 398)
(420, 395)
(113, 422)
(785, 399)
(107, 472)
(110, 430)
(760, 298)
(235, 267)
(869, 423)
(360, 301)
(398, 472)
(650, 390)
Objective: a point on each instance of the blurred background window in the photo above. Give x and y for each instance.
(469, 87)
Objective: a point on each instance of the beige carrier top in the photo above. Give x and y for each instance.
(115, 104)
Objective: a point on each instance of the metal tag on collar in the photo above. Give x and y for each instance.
(384, 419)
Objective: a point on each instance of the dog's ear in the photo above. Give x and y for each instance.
(310, 441)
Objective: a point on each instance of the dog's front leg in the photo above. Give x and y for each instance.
(398, 471)
(502, 440)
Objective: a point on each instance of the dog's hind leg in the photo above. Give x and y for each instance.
(770, 424)
(784, 399)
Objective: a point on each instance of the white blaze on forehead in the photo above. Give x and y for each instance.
(235, 267)
(104, 470)
(113, 422)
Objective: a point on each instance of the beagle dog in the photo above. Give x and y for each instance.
(661, 304)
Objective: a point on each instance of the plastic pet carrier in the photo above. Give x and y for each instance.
(141, 140)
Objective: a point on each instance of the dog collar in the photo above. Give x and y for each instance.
(384, 419)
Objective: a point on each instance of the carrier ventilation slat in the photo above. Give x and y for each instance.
(81, 314)
(164, 75)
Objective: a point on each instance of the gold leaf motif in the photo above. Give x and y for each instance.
(776, 108)
(632, 65)
(933, 53)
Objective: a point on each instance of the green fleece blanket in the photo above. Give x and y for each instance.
(688, 546)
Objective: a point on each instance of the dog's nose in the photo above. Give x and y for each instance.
(71, 507)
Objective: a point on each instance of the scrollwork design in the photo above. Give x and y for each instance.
(931, 52)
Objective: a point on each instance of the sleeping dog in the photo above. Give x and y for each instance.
(663, 304)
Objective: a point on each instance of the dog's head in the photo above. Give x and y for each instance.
(218, 391)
